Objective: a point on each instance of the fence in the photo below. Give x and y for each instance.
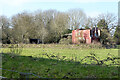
(22, 74)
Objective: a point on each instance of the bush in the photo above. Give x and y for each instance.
(66, 40)
(118, 46)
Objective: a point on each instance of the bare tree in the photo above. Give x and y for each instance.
(77, 18)
(21, 24)
(91, 22)
(107, 23)
(110, 19)
(48, 26)
(5, 29)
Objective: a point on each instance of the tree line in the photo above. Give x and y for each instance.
(50, 25)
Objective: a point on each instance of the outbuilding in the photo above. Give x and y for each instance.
(35, 41)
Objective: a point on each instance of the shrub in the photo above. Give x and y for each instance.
(66, 40)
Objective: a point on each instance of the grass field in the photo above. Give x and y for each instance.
(59, 61)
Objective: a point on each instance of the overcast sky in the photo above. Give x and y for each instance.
(90, 7)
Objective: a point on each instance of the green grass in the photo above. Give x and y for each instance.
(69, 53)
(32, 60)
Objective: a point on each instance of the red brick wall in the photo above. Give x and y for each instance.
(81, 34)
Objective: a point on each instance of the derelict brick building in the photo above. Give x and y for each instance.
(85, 35)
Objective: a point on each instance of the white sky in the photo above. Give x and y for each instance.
(20, 2)
(8, 5)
